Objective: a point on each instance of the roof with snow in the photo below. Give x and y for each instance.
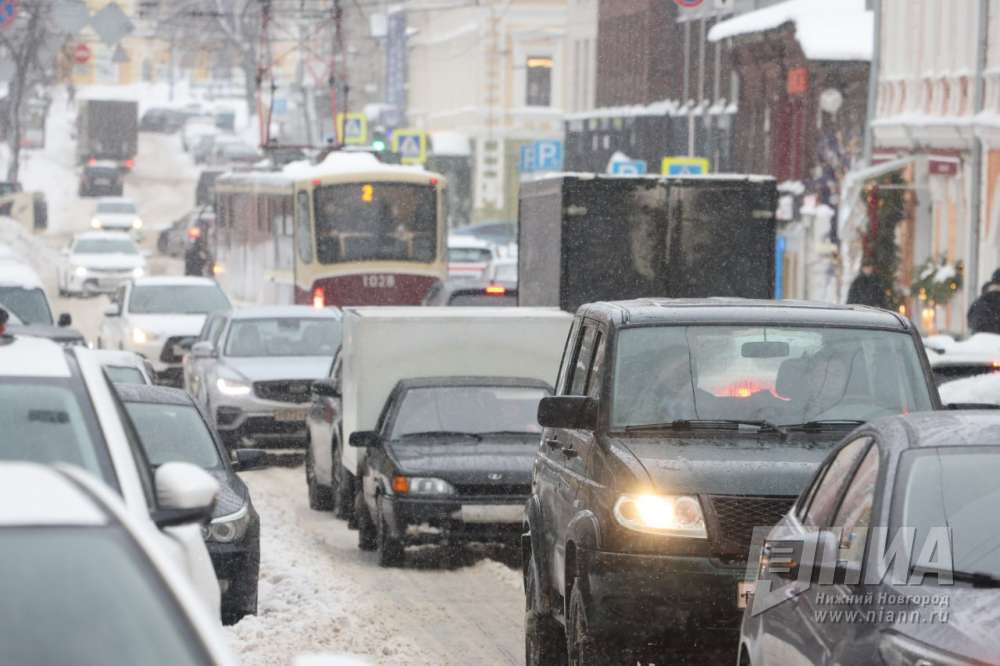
(838, 30)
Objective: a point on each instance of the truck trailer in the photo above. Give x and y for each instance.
(107, 130)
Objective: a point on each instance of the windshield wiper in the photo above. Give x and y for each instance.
(441, 433)
(508, 432)
(824, 424)
(711, 424)
(975, 578)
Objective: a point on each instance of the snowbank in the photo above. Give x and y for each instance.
(29, 249)
(825, 29)
(981, 389)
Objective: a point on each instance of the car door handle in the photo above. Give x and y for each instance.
(552, 443)
(569, 452)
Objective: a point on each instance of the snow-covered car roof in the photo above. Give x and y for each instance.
(980, 348)
(32, 357)
(175, 281)
(19, 275)
(33, 494)
(278, 311)
(117, 357)
(979, 389)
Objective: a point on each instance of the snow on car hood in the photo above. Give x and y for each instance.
(168, 325)
(112, 261)
(267, 368)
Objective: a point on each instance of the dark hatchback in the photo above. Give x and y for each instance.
(936, 474)
(472, 293)
(101, 179)
(171, 427)
(678, 427)
(450, 461)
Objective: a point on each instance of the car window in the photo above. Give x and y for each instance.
(303, 235)
(854, 514)
(827, 491)
(87, 595)
(177, 299)
(123, 374)
(105, 246)
(173, 433)
(30, 305)
(596, 376)
(568, 360)
(581, 369)
(285, 336)
(471, 409)
(116, 207)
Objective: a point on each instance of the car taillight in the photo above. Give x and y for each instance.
(319, 298)
(92, 162)
(194, 233)
(129, 164)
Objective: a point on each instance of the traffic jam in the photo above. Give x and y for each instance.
(317, 402)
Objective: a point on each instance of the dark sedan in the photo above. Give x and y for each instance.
(171, 427)
(101, 179)
(922, 488)
(450, 463)
(459, 292)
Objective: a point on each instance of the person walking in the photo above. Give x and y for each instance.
(984, 313)
(866, 288)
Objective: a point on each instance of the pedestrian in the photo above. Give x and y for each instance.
(197, 258)
(866, 288)
(984, 313)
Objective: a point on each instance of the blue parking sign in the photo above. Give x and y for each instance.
(629, 168)
(541, 156)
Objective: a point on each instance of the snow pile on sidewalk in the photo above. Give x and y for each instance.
(29, 249)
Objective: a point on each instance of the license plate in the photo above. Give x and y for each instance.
(492, 513)
(290, 415)
(744, 593)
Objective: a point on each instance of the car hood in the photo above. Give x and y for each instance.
(268, 368)
(168, 325)
(466, 461)
(725, 465)
(962, 619)
(232, 493)
(108, 260)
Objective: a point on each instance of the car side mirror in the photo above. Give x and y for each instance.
(573, 412)
(812, 555)
(203, 349)
(112, 310)
(326, 388)
(185, 494)
(247, 459)
(364, 439)
(65, 319)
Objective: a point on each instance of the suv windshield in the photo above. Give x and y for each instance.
(177, 299)
(30, 305)
(376, 221)
(283, 337)
(116, 207)
(48, 421)
(173, 433)
(784, 375)
(468, 409)
(105, 246)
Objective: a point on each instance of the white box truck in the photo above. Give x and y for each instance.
(383, 345)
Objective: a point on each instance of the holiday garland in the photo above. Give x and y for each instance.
(937, 281)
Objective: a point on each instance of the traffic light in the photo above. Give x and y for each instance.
(379, 142)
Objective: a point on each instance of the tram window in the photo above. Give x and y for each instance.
(286, 211)
(304, 237)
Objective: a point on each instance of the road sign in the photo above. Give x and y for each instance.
(411, 144)
(70, 16)
(541, 156)
(111, 23)
(354, 127)
(684, 166)
(81, 54)
(629, 168)
(8, 13)
(120, 55)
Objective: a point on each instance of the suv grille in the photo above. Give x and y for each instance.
(493, 489)
(168, 355)
(283, 390)
(737, 516)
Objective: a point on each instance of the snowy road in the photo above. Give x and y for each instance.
(319, 593)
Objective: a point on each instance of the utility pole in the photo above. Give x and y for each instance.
(873, 71)
(976, 166)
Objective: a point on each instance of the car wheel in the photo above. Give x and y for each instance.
(544, 637)
(367, 533)
(343, 503)
(390, 550)
(582, 649)
(320, 497)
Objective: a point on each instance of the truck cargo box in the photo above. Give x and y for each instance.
(585, 237)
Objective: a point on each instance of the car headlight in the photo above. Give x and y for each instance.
(232, 387)
(95, 223)
(421, 485)
(80, 271)
(898, 650)
(227, 529)
(137, 223)
(138, 272)
(669, 515)
(141, 336)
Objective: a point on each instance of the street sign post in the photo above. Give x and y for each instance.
(411, 145)
(541, 156)
(354, 127)
(629, 168)
(684, 166)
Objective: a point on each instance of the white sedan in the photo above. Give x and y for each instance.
(99, 262)
(85, 582)
(117, 214)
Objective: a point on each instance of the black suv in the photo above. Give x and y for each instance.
(677, 427)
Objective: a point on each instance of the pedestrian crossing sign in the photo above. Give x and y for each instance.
(410, 145)
(352, 128)
(684, 166)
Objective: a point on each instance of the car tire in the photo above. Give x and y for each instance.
(343, 502)
(320, 497)
(390, 550)
(544, 637)
(367, 534)
(583, 649)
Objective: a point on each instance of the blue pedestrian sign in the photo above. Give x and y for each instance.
(8, 13)
(684, 166)
(411, 144)
(541, 156)
(629, 168)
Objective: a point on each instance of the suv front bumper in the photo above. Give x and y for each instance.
(266, 422)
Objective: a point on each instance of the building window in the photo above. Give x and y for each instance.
(539, 81)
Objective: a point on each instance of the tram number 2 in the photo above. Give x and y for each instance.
(378, 281)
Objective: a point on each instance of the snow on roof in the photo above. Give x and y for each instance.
(20, 275)
(661, 108)
(839, 30)
(450, 143)
(340, 163)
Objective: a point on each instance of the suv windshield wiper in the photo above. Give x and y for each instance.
(710, 424)
(509, 432)
(441, 433)
(824, 424)
(976, 578)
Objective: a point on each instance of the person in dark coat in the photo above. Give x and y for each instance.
(984, 313)
(197, 258)
(866, 289)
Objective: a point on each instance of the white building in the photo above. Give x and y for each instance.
(581, 45)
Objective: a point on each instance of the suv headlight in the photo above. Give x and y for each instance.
(898, 650)
(138, 272)
(95, 222)
(227, 529)
(80, 271)
(141, 336)
(137, 223)
(669, 515)
(232, 387)
(421, 485)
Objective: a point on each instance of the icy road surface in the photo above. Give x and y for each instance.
(319, 593)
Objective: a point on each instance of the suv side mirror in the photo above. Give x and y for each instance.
(364, 439)
(573, 412)
(203, 349)
(245, 459)
(185, 494)
(326, 388)
(65, 319)
(113, 310)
